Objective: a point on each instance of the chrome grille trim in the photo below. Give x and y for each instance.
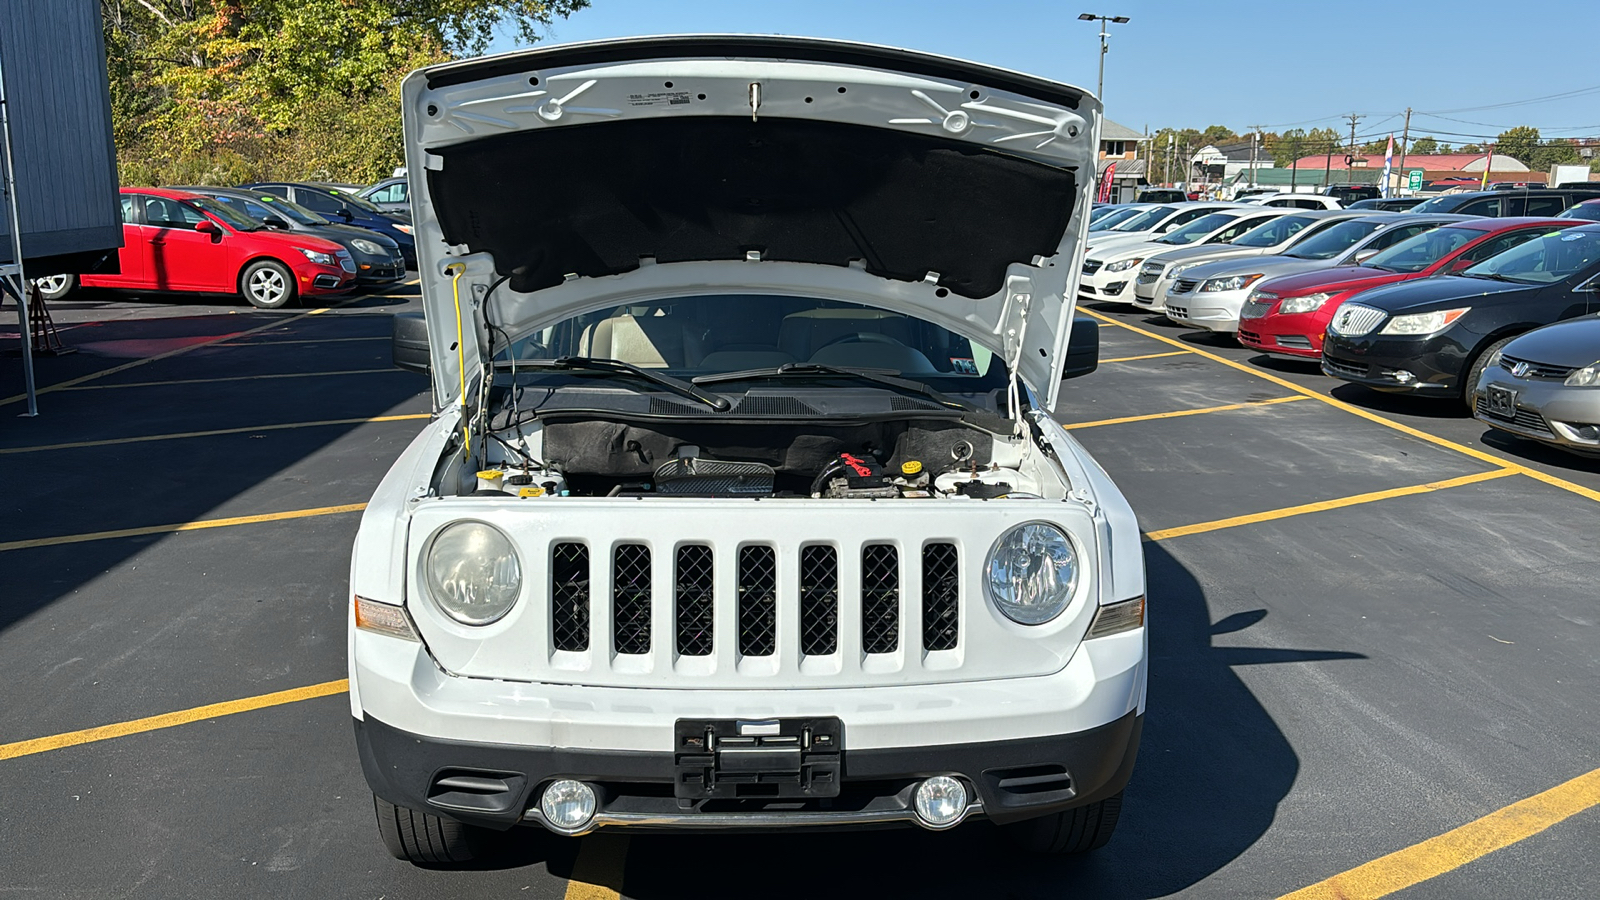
(694, 595)
(1185, 285)
(1536, 369)
(630, 598)
(1355, 320)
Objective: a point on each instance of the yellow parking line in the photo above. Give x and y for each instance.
(1323, 505)
(232, 342)
(1457, 847)
(1182, 412)
(93, 376)
(213, 433)
(140, 384)
(1437, 441)
(601, 858)
(198, 525)
(168, 720)
(1146, 356)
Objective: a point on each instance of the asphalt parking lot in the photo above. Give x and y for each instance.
(1373, 637)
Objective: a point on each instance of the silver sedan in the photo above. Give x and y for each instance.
(1545, 386)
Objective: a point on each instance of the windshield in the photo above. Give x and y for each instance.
(353, 200)
(291, 210)
(1589, 211)
(1105, 222)
(1144, 221)
(1417, 253)
(1198, 230)
(1274, 232)
(1543, 260)
(1335, 239)
(689, 337)
(227, 215)
(1444, 203)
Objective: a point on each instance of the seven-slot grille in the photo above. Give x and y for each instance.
(757, 584)
(1534, 369)
(1354, 320)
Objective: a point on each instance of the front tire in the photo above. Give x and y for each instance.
(1469, 389)
(1073, 831)
(54, 287)
(267, 284)
(425, 840)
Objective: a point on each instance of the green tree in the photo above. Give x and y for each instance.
(1553, 153)
(228, 90)
(1470, 148)
(1424, 146)
(1519, 143)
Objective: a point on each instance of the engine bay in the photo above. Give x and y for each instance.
(906, 458)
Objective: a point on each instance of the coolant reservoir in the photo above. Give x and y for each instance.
(988, 482)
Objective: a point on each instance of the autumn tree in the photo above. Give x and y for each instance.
(222, 91)
(1519, 143)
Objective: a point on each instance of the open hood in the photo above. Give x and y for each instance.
(577, 177)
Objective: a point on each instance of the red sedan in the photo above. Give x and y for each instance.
(1288, 316)
(178, 241)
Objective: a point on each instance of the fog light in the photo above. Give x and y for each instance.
(941, 801)
(1589, 433)
(1404, 377)
(567, 805)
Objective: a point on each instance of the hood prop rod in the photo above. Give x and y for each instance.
(1013, 386)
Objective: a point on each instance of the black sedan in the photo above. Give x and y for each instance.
(378, 258)
(337, 205)
(1433, 337)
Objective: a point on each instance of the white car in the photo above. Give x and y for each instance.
(1108, 271)
(743, 507)
(1281, 230)
(1298, 201)
(1153, 223)
(1212, 295)
(1115, 216)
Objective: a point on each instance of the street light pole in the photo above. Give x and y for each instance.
(1100, 86)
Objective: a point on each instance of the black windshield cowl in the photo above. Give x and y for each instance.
(613, 367)
(885, 377)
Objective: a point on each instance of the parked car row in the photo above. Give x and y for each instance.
(269, 243)
(1425, 302)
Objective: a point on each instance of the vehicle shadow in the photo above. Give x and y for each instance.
(1211, 772)
(1400, 404)
(1535, 452)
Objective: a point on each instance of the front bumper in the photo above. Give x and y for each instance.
(380, 270)
(1546, 411)
(1213, 310)
(1432, 365)
(1007, 780)
(315, 279)
(1297, 336)
(1110, 286)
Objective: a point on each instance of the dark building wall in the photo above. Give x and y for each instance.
(60, 108)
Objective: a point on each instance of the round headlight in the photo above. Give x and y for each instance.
(473, 573)
(1031, 572)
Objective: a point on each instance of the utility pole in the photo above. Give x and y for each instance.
(1100, 87)
(1172, 139)
(1255, 142)
(1294, 167)
(1405, 139)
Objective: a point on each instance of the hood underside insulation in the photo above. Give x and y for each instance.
(592, 200)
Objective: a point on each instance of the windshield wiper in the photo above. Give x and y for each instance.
(612, 366)
(876, 376)
(1496, 276)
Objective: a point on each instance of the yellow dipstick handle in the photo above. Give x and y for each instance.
(461, 361)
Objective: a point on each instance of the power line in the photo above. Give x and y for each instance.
(1564, 95)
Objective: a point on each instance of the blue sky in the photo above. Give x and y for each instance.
(1243, 62)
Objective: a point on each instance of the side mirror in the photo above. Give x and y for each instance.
(1083, 348)
(408, 343)
(206, 226)
(275, 222)
(1364, 255)
(344, 213)
(1461, 265)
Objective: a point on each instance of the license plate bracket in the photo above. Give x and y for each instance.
(1500, 402)
(734, 759)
